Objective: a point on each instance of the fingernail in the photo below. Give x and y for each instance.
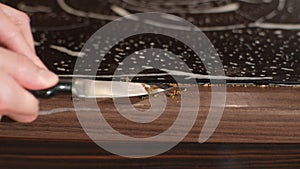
(47, 77)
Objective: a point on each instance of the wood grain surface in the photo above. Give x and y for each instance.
(75, 154)
(252, 115)
(259, 129)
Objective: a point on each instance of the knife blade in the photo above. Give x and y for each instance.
(87, 88)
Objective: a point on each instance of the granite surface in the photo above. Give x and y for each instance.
(258, 41)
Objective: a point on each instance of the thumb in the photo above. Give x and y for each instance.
(25, 72)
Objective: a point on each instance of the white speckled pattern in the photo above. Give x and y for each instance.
(258, 40)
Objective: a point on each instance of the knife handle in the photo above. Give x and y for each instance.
(62, 87)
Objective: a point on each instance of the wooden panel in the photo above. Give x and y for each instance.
(252, 115)
(72, 154)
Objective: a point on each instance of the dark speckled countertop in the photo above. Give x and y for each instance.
(255, 39)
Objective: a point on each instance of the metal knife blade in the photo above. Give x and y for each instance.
(107, 89)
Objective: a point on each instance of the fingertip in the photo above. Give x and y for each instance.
(29, 119)
(28, 74)
(34, 103)
(47, 78)
(23, 118)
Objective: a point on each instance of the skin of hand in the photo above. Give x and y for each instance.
(20, 67)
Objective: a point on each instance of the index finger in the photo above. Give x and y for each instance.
(12, 38)
(21, 20)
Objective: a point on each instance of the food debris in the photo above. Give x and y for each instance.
(154, 89)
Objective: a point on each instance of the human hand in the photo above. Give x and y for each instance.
(20, 68)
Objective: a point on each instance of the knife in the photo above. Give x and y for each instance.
(87, 88)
